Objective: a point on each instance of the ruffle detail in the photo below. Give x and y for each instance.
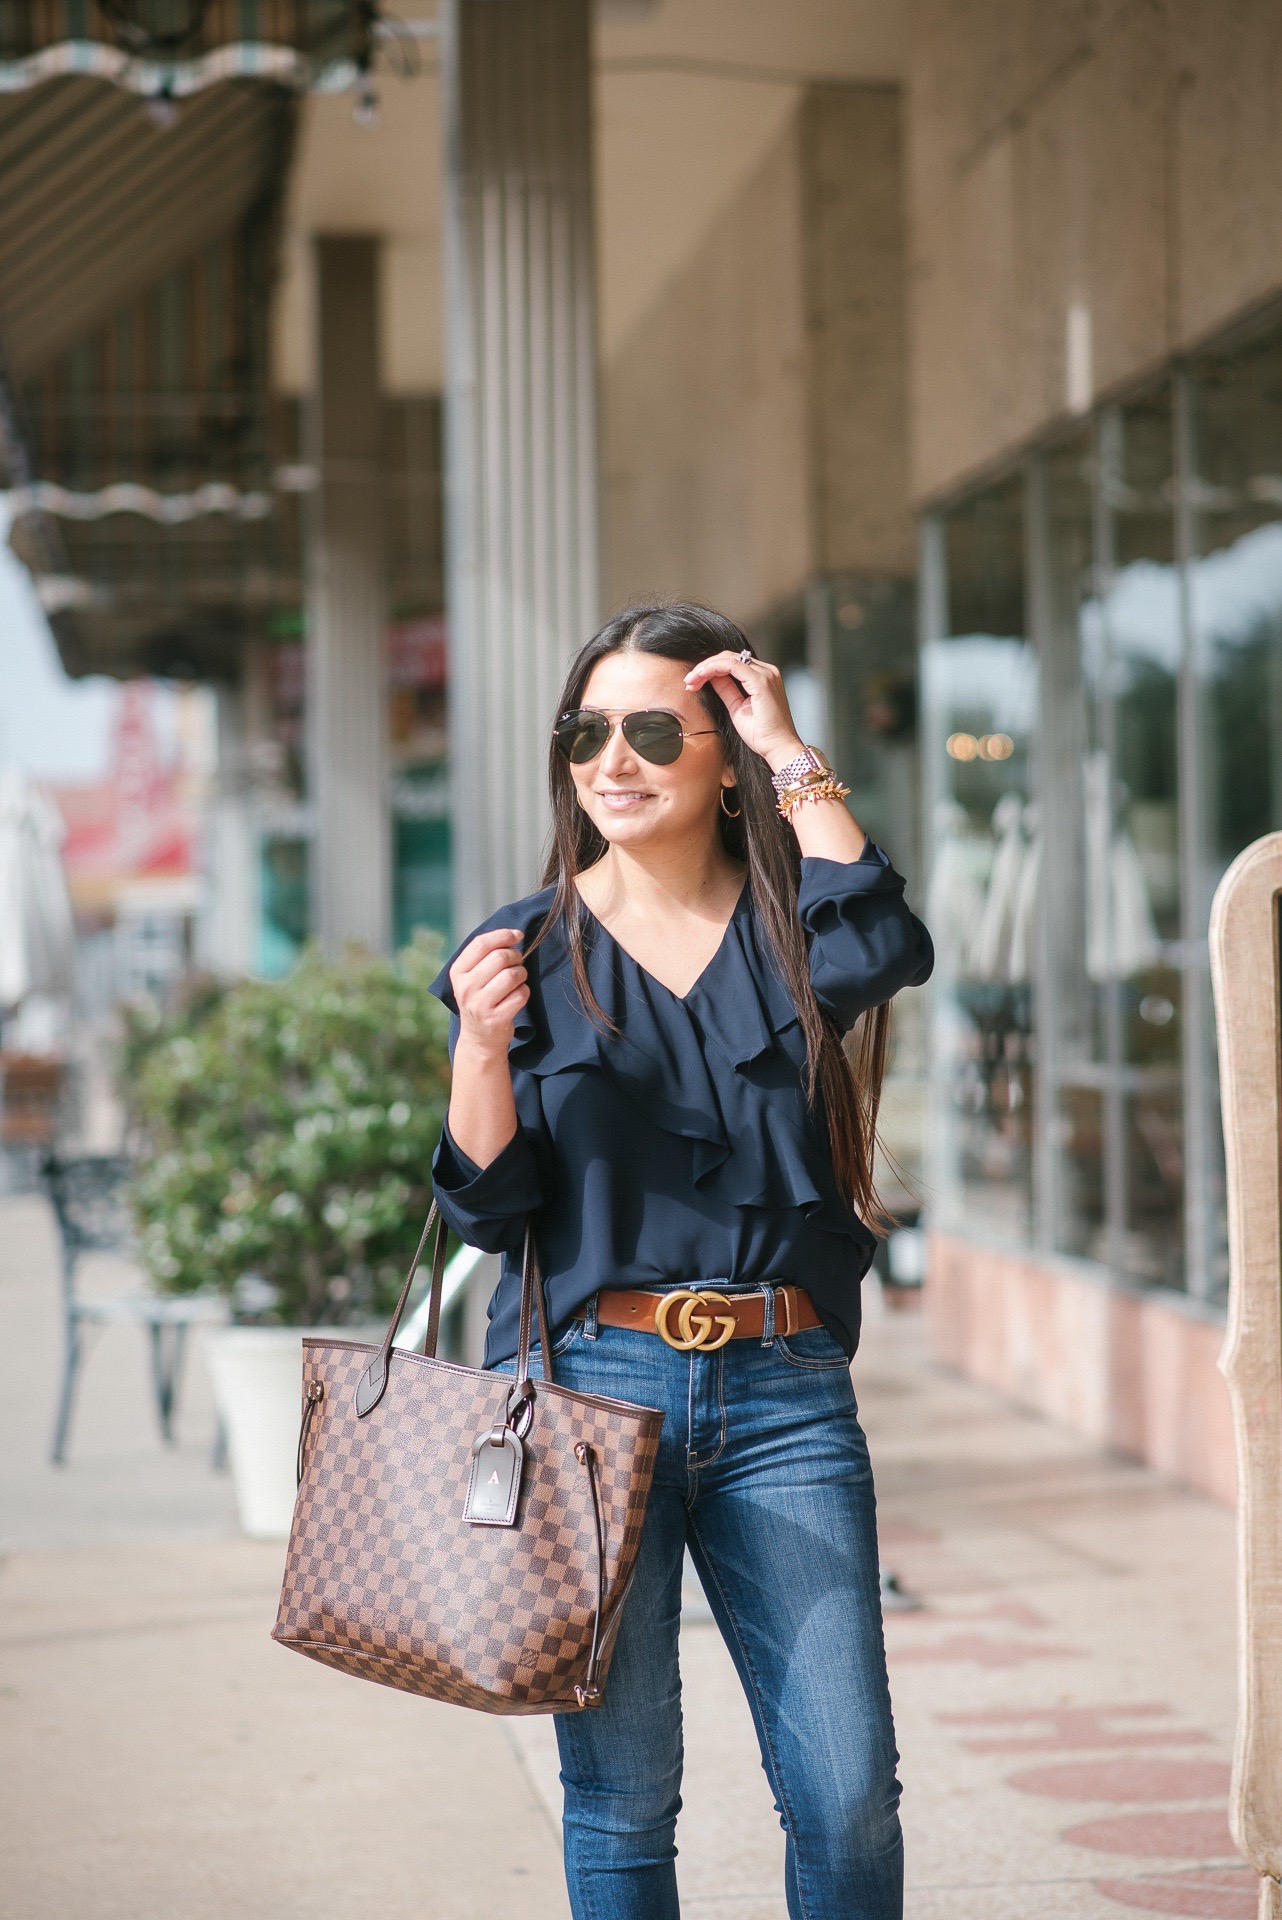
(718, 1068)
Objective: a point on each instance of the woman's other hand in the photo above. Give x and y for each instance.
(490, 986)
(489, 983)
(754, 697)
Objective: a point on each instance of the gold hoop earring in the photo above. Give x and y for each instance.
(725, 809)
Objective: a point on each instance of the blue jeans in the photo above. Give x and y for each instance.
(763, 1471)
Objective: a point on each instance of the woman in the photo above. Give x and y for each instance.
(647, 1061)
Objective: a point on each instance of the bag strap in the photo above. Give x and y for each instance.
(372, 1384)
(532, 1296)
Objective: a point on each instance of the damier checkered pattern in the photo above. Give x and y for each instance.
(385, 1579)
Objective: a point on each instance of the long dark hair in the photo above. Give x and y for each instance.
(844, 1087)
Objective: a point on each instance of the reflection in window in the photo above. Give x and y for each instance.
(980, 693)
(1113, 1026)
(1073, 1051)
(1235, 606)
(872, 739)
(1131, 648)
(282, 931)
(1157, 707)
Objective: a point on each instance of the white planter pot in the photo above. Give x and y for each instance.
(258, 1385)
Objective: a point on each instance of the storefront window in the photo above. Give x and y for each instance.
(1236, 594)
(1069, 1153)
(872, 739)
(283, 920)
(1131, 660)
(980, 708)
(872, 722)
(1234, 517)
(1137, 709)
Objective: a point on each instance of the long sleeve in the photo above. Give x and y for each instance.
(864, 942)
(487, 1206)
(676, 1141)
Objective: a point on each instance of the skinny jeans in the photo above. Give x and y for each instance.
(763, 1473)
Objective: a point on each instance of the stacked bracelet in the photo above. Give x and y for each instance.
(809, 776)
(827, 789)
(808, 763)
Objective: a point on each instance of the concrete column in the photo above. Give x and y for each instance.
(225, 925)
(521, 434)
(346, 673)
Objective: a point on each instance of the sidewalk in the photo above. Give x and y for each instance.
(1064, 1698)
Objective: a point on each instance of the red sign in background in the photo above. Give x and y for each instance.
(137, 822)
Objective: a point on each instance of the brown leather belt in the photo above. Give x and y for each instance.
(705, 1320)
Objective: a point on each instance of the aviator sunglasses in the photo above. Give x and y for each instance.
(654, 734)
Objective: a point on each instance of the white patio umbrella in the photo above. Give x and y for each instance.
(36, 932)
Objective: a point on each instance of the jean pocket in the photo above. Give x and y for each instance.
(567, 1339)
(814, 1348)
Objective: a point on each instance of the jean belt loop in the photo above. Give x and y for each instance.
(590, 1328)
(768, 1316)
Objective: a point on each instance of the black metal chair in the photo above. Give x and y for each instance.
(89, 1194)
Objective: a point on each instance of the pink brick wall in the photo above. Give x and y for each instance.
(1132, 1371)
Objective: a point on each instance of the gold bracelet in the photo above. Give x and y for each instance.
(792, 797)
(795, 791)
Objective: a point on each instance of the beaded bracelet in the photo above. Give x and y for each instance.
(829, 788)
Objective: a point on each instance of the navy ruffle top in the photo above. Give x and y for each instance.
(681, 1148)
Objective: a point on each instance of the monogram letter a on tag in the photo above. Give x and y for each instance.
(494, 1484)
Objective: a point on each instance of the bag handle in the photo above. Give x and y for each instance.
(372, 1384)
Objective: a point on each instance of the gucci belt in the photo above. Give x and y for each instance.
(701, 1321)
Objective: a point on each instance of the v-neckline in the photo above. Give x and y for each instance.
(680, 998)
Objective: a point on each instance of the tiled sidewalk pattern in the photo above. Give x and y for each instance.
(1064, 1697)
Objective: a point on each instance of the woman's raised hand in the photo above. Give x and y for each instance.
(754, 697)
(489, 982)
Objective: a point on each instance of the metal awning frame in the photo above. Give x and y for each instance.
(171, 79)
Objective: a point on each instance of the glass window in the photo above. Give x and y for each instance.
(1070, 1160)
(872, 739)
(872, 728)
(282, 932)
(980, 711)
(1236, 595)
(1073, 882)
(1131, 663)
(1111, 1166)
(1233, 498)
(421, 853)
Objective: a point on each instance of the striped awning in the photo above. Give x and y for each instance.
(100, 201)
(137, 244)
(181, 46)
(144, 148)
(145, 504)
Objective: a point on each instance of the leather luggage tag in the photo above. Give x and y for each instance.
(494, 1485)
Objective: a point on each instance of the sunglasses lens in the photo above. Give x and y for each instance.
(657, 737)
(581, 736)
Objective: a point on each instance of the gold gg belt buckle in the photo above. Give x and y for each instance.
(694, 1324)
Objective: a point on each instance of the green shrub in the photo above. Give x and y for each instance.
(147, 1025)
(287, 1133)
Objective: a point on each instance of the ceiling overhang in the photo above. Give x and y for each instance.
(143, 175)
(100, 201)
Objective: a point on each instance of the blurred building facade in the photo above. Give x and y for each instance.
(939, 343)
